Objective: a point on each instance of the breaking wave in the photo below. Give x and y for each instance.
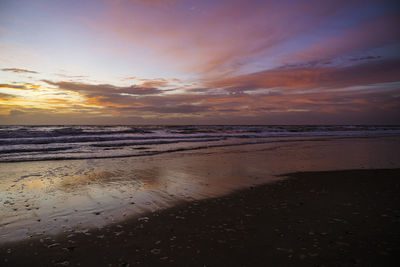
(32, 143)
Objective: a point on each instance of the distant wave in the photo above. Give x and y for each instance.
(33, 143)
(26, 150)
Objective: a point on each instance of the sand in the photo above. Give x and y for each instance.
(333, 218)
(74, 195)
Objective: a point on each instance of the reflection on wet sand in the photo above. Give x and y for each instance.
(52, 196)
(72, 182)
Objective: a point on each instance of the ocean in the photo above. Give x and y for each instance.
(35, 143)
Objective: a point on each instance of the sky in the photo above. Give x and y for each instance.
(199, 62)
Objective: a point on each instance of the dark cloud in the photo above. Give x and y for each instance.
(301, 89)
(17, 70)
(187, 109)
(6, 96)
(365, 58)
(368, 105)
(309, 64)
(108, 94)
(14, 86)
(184, 109)
(105, 89)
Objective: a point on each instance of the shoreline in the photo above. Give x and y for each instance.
(66, 196)
(268, 141)
(329, 218)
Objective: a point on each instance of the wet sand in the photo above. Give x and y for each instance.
(333, 218)
(48, 197)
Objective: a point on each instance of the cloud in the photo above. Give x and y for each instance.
(185, 109)
(166, 109)
(111, 95)
(365, 58)
(378, 103)
(107, 89)
(156, 3)
(15, 86)
(307, 78)
(217, 37)
(250, 61)
(17, 70)
(4, 96)
(232, 106)
(72, 76)
(299, 88)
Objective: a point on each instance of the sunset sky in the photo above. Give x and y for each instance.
(199, 62)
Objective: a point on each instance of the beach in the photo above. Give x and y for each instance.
(337, 218)
(315, 201)
(199, 133)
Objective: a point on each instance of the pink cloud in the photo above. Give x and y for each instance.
(307, 78)
(213, 39)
